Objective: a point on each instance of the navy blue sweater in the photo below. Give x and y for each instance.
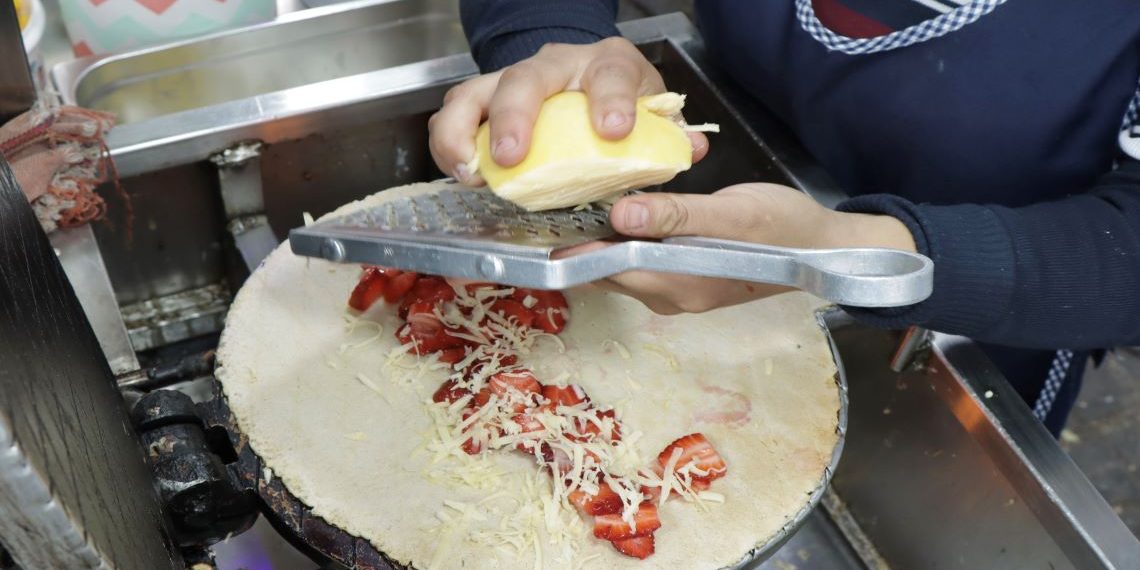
(991, 132)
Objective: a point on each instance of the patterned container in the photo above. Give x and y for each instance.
(107, 26)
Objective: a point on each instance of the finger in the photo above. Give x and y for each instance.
(611, 85)
(515, 104)
(658, 215)
(452, 129)
(700, 146)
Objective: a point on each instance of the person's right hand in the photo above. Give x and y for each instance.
(612, 73)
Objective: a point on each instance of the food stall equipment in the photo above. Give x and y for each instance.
(944, 465)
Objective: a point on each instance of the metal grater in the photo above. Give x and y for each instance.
(459, 216)
(472, 234)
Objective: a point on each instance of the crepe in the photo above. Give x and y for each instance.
(346, 428)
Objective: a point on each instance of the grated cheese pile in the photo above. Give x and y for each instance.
(489, 402)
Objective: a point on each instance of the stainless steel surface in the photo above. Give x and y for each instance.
(81, 260)
(463, 232)
(172, 318)
(17, 91)
(331, 143)
(913, 348)
(946, 467)
(1058, 493)
(239, 181)
(303, 48)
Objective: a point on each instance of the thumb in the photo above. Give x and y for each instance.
(661, 215)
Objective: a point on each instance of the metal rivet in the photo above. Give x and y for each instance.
(333, 250)
(490, 267)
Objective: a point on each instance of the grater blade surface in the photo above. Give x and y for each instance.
(477, 219)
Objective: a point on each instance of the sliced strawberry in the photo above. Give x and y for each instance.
(368, 289)
(452, 355)
(701, 483)
(514, 312)
(518, 386)
(637, 547)
(556, 457)
(425, 330)
(399, 285)
(588, 430)
(474, 287)
(474, 368)
(449, 392)
(427, 289)
(605, 502)
(549, 307)
(529, 424)
(697, 450)
(613, 527)
(471, 446)
(570, 395)
(651, 494)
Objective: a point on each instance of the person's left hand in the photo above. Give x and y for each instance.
(760, 213)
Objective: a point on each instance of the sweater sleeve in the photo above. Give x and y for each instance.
(1062, 274)
(503, 32)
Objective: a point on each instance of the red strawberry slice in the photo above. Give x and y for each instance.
(701, 484)
(427, 289)
(425, 330)
(514, 312)
(605, 502)
(613, 527)
(697, 450)
(471, 446)
(452, 355)
(476, 286)
(549, 307)
(569, 395)
(590, 431)
(651, 494)
(519, 387)
(529, 424)
(637, 547)
(449, 392)
(370, 288)
(505, 360)
(399, 285)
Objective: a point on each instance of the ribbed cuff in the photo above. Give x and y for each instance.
(974, 265)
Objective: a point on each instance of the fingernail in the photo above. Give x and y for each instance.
(504, 144)
(613, 119)
(636, 216)
(462, 173)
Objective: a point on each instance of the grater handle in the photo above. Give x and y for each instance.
(861, 277)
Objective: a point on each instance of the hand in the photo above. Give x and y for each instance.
(612, 73)
(759, 213)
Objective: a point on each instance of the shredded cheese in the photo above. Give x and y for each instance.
(670, 359)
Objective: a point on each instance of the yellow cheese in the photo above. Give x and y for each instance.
(569, 164)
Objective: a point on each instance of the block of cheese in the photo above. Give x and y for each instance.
(569, 164)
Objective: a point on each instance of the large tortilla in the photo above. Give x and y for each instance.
(758, 380)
